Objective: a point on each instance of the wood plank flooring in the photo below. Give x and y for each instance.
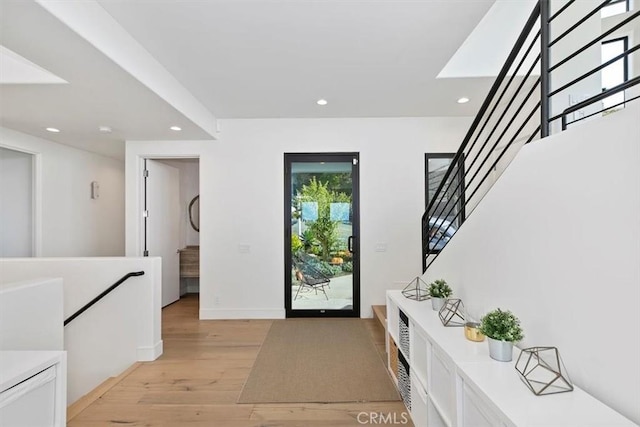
(198, 379)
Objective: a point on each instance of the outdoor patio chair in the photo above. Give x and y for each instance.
(308, 275)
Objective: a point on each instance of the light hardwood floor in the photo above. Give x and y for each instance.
(199, 377)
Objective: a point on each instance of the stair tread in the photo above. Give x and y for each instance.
(380, 313)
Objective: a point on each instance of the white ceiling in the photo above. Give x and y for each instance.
(239, 59)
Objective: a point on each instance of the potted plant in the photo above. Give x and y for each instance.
(502, 329)
(439, 291)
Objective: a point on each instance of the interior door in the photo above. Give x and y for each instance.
(322, 256)
(163, 224)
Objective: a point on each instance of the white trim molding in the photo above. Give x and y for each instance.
(150, 353)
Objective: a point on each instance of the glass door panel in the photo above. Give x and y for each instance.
(322, 276)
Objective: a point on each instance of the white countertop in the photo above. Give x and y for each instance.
(17, 366)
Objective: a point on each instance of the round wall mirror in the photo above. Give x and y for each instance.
(194, 213)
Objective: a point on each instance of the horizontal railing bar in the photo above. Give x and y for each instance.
(461, 180)
(602, 95)
(506, 148)
(562, 9)
(506, 109)
(522, 126)
(595, 70)
(504, 90)
(598, 97)
(533, 17)
(102, 295)
(602, 111)
(580, 22)
(467, 170)
(596, 40)
(442, 207)
(515, 115)
(533, 135)
(504, 113)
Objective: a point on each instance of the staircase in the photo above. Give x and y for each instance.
(549, 82)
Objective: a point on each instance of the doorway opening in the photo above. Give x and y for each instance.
(322, 223)
(172, 223)
(17, 204)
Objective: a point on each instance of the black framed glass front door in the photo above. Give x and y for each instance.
(322, 264)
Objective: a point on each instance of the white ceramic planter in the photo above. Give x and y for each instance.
(501, 351)
(437, 303)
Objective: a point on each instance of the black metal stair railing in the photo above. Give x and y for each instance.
(102, 295)
(521, 107)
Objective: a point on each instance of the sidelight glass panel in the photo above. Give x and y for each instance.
(447, 213)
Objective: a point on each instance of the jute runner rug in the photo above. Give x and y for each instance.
(318, 360)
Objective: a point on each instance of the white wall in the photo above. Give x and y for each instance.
(241, 202)
(557, 241)
(31, 315)
(16, 203)
(122, 328)
(68, 221)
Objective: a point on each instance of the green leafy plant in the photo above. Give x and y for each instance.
(296, 243)
(327, 269)
(501, 325)
(325, 231)
(440, 289)
(347, 267)
(323, 228)
(308, 240)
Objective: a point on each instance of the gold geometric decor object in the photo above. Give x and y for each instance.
(543, 371)
(417, 290)
(452, 312)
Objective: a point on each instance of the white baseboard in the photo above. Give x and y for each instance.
(150, 353)
(230, 313)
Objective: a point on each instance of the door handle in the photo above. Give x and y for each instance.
(350, 243)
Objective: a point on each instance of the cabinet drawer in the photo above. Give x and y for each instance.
(434, 417)
(418, 353)
(442, 383)
(419, 402)
(475, 412)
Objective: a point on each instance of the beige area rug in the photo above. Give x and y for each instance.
(318, 360)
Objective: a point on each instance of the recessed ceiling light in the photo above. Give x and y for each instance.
(463, 100)
(105, 129)
(321, 102)
(54, 130)
(176, 128)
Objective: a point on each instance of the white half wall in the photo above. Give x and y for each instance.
(67, 221)
(122, 328)
(557, 241)
(31, 315)
(242, 202)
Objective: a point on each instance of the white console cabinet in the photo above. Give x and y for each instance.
(446, 380)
